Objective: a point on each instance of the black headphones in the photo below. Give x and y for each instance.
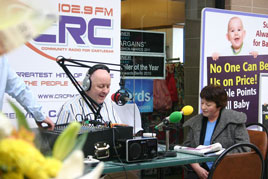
(87, 81)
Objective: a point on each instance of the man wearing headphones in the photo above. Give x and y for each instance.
(96, 85)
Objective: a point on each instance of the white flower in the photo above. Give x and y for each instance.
(94, 174)
(73, 167)
(6, 126)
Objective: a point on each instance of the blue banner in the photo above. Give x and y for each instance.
(142, 89)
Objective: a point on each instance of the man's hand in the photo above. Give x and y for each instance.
(49, 122)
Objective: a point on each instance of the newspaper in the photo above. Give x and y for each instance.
(201, 150)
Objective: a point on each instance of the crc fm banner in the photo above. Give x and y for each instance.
(86, 30)
(234, 51)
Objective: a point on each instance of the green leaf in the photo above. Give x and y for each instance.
(66, 141)
(80, 141)
(20, 116)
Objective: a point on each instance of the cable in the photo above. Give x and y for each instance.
(116, 152)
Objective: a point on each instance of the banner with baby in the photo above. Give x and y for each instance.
(234, 51)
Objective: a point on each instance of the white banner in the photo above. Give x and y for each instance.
(87, 30)
(214, 37)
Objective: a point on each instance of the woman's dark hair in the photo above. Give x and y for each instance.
(216, 94)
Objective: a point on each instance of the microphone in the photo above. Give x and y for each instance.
(121, 97)
(187, 110)
(174, 117)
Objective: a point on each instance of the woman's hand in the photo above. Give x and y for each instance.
(200, 171)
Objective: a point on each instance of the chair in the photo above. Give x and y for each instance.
(246, 165)
(260, 139)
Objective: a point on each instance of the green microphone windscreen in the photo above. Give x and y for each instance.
(175, 117)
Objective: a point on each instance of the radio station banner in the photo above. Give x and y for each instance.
(141, 91)
(143, 67)
(87, 30)
(233, 54)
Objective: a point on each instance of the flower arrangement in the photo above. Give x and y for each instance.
(19, 157)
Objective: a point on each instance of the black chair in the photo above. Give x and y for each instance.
(260, 139)
(246, 165)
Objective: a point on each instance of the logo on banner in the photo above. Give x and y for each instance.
(80, 29)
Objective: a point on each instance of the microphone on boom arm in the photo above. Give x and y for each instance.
(122, 96)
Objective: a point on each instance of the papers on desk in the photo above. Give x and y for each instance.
(201, 150)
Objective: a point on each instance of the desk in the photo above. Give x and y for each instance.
(180, 159)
